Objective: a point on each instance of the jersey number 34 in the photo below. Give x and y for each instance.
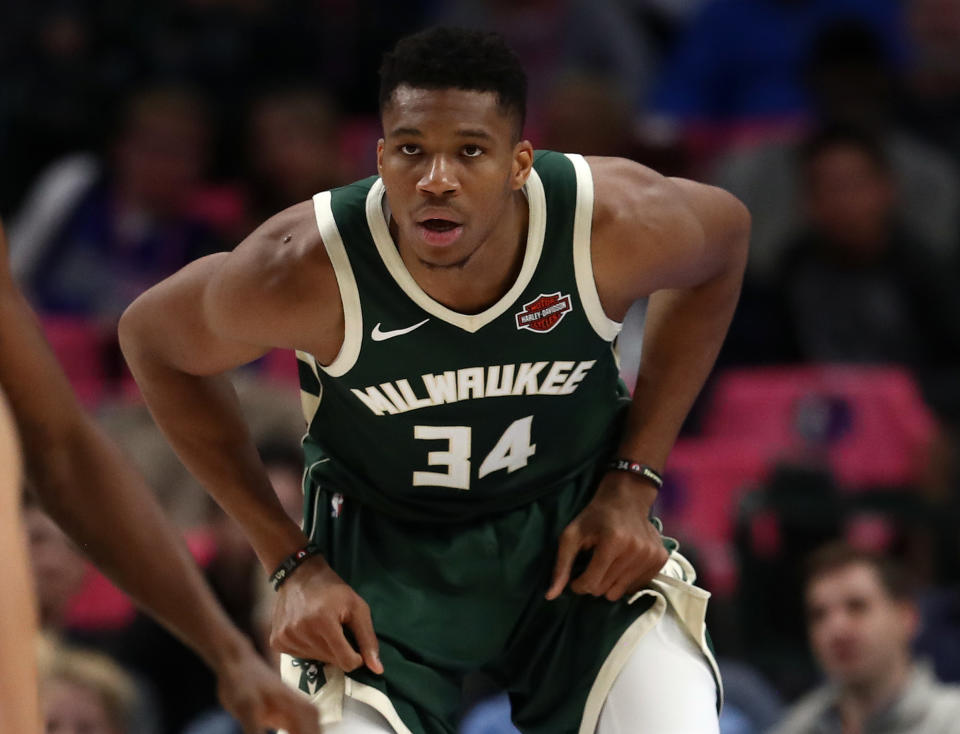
(511, 452)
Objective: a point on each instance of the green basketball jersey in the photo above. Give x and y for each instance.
(430, 414)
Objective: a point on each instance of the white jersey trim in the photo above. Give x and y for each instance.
(330, 697)
(672, 587)
(605, 327)
(309, 403)
(346, 282)
(468, 322)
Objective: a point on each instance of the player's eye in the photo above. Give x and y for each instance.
(472, 151)
(409, 149)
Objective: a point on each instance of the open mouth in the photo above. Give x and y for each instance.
(439, 225)
(439, 232)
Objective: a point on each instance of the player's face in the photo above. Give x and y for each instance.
(857, 631)
(450, 164)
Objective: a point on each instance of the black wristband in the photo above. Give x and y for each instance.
(641, 470)
(291, 562)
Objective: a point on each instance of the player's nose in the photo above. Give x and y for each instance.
(440, 177)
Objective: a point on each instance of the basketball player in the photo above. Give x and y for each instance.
(454, 319)
(19, 703)
(94, 494)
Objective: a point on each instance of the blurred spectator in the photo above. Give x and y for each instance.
(85, 692)
(861, 621)
(931, 106)
(92, 237)
(284, 464)
(859, 286)
(179, 681)
(797, 510)
(58, 568)
(294, 150)
(737, 72)
(554, 38)
(850, 78)
(590, 115)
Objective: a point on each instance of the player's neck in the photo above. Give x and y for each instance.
(490, 270)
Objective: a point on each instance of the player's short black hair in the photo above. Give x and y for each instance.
(456, 58)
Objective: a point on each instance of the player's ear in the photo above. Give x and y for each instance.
(522, 163)
(380, 155)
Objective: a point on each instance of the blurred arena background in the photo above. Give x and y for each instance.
(135, 137)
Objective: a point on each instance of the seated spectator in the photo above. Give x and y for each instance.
(555, 38)
(293, 150)
(931, 105)
(858, 286)
(58, 568)
(93, 235)
(861, 621)
(83, 691)
(850, 78)
(736, 74)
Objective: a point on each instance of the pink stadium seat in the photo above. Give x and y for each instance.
(705, 479)
(870, 423)
(79, 347)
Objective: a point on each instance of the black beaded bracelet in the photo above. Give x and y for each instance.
(291, 562)
(641, 470)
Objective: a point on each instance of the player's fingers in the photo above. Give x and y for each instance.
(620, 578)
(590, 581)
(344, 656)
(619, 588)
(567, 549)
(301, 642)
(638, 576)
(361, 624)
(619, 573)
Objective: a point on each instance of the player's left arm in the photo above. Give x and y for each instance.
(684, 245)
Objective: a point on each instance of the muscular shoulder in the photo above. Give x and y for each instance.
(280, 270)
(284, 254)
(652, 232)
(628, 193)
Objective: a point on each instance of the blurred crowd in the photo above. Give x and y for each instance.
(138, 137)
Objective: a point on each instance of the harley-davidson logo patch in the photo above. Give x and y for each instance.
(543, 312)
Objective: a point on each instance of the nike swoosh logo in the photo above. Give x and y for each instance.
(379, 336)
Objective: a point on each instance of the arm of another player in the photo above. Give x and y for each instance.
(19, 702)
(100, 501)
(685, 245)
(277, 289)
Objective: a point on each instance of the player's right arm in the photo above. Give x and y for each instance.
(276, 290)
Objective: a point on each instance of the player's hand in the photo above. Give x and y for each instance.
(615, 525)
(313, 607)
(257, 698)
